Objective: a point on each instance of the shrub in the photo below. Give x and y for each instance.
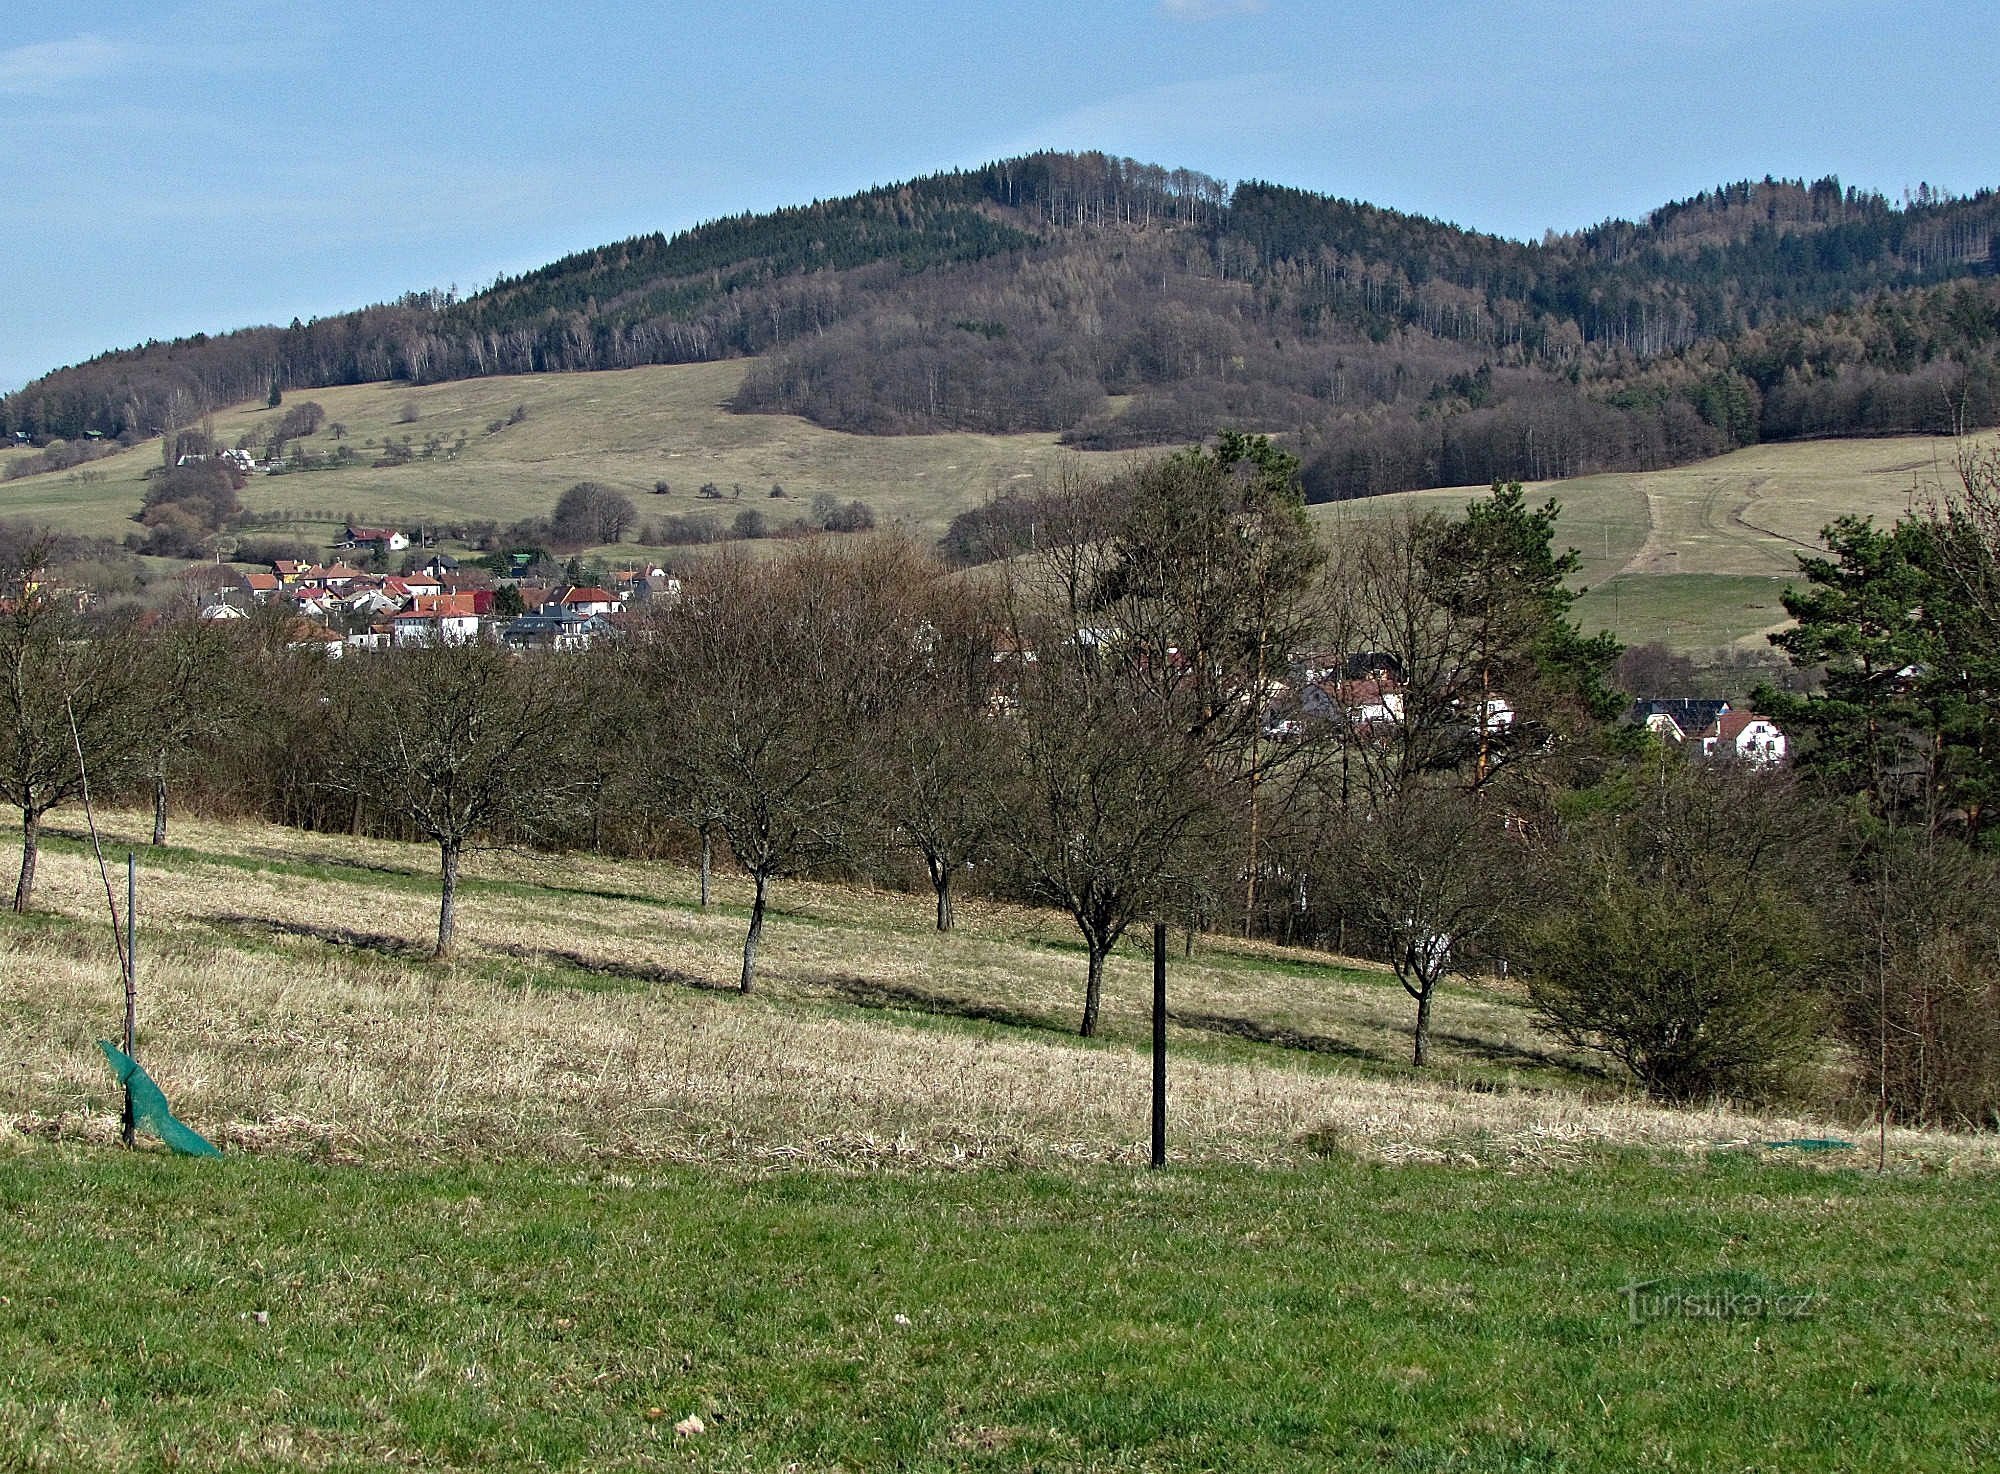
(1681, 943)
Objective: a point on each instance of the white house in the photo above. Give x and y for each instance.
(435, 627)
(1745, 737)
(376, 539)
(589, 600)
(1374, 701)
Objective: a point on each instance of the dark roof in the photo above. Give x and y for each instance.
(1689, 715)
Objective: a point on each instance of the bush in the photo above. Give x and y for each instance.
(1682, 944)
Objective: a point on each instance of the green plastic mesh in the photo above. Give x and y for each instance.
(149, 1106)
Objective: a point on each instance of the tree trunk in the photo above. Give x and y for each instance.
(756, 932)
(1421, 1054)
(707, 863)
(31, 844)
(941, 883)
(159, 806)
(1093, 989)
(448, 900)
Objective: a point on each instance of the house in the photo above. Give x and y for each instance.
(305, 635)
(637, 585)
(289, 571)
(414, 586)
(371, 601)
(334, 576)
(1675, 719)
(222, 611)
(440, 564)
(447, 619)
(375, 539)
(589, 600)
(261, 585)
(1744, 737)
(555, 629)
(1367, 701)
(1312, 666)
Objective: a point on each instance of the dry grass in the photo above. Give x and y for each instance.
(289, 1009)
(629, 429)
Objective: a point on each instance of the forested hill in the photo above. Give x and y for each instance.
(1123, 304)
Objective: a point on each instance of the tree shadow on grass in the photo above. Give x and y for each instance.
(1276, 1036)
(400, 948)
(867, 993)
(1496, 1052)
(651, 974)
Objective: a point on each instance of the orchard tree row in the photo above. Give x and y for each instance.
(1183, 703)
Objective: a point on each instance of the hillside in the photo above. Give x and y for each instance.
(548, 1203)
(1119, 305)
(589, 1010)
(1693, 556)
(630, 429)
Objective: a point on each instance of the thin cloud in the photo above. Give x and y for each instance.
(1200, 10)
(46, 68)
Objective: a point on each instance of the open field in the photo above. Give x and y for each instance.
(1334, 1315)
(534, 1206)
(1694, 556)
(628, 429)
(589, 1012)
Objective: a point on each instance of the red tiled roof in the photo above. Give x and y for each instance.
(1729, 726)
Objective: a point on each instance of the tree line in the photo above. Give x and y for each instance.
(1182, 703)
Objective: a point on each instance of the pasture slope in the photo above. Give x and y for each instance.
(1695, 556)
(536, 1206)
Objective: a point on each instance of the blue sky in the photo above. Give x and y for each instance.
(177, 166)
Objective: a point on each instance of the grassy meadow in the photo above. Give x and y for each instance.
(1694, 557)
(537, 1205)
(629, 429)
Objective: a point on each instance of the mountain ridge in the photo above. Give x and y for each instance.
(1124, 305)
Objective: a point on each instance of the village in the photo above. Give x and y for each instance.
(441, 601)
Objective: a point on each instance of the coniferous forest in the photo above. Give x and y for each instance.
(1124, 305)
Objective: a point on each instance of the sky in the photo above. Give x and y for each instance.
(182, 166)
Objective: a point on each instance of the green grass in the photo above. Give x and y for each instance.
(1687, 611)
(1696, 555)
(531, 1207)
(1335, 1315)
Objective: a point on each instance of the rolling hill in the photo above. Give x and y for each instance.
(1117, 305)
(1693, 556)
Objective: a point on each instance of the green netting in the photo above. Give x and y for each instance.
(149, 1106)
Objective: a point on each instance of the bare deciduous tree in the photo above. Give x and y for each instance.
(1426, 876)
(186, 667)
(463, 742)
(774, 678)
(70, 702)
